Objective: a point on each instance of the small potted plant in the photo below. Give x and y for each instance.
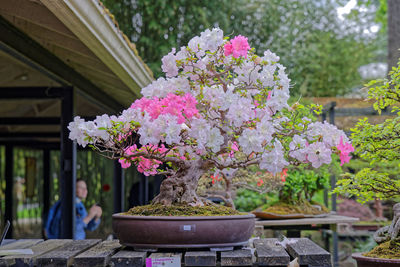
(295, 198)
(220, 108)
(379, 143)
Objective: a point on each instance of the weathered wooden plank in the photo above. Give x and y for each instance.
(309, 253)
(7, 241)
(20, 244)
(125, 258)
(270, 254)
(200, 258)
(30, 259)
(64, 255)
(240, 257)
(99, 255)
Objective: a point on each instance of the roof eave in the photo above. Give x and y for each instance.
(90, 23)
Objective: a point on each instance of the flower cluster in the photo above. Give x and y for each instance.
(220, 103)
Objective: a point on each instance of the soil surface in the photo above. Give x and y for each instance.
(301, 208)
(386, 250)
(182, 210)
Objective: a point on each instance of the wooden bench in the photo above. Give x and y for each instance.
(94, 252)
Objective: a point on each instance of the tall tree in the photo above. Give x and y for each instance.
(157, 26)
(393, 32)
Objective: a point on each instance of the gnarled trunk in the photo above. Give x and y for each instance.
(181, 188)
(391, 231)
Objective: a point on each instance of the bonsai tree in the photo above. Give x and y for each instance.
(220, 107)
(378, 144)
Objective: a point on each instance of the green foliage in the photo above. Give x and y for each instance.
(248, 200)
(322, 52)
(303, 184)
(158, 25)
(378, 143)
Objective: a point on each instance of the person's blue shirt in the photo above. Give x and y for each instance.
(53, 223)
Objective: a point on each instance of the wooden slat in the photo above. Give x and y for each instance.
(35, 12)
(241, 257)
(125, 258)
(270, 254)
(7, 241)
(330, 219)
(45, 35)
(22, 243)
(99, 255)
(64, 256)
(200, 258)
(309, 253)
(38, 250)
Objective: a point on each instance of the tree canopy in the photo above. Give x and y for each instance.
(322, 50)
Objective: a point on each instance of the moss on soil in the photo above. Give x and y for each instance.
(304, 207)
(386, 250)
(182, 210)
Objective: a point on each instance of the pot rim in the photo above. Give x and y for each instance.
(359, 256)
(121, 216)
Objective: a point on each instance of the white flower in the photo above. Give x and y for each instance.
(251, 141)
(270, 57)
(267, 75)
(77, 131)
(195, 44)
(278, 100)
(274, 161)
(215, 140)
(330, 133)
(318, 154)
(266, 128)
(212, 39)
(240, 111)
(172, 130)
(149, 133)
(169, 64)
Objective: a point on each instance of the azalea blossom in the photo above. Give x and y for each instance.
(345, 149)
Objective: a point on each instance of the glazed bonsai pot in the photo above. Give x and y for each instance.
(183, 231)
(363, 261)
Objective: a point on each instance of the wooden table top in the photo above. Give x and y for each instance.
(330, 219)
(94, 252)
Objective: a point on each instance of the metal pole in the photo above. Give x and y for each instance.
(8, 215)
(333, 177)
(118, 187)
(46, 185)
(67, 167)
(333, 184)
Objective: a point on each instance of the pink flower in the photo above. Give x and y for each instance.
(234, 147)
(180, 106)
(124, 163)
(345, 149)
(238, 47)
(228, 49)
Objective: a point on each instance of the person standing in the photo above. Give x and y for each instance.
(84, 220)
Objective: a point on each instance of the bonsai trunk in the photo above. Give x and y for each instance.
(392, 231)
(181, 188)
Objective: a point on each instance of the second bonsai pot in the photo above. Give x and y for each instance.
(183, 231)
(363, 261)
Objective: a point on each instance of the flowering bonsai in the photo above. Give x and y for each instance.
(220, 107)
(379, 144)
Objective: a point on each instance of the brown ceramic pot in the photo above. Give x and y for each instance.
(183, 231)
(363, 261)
